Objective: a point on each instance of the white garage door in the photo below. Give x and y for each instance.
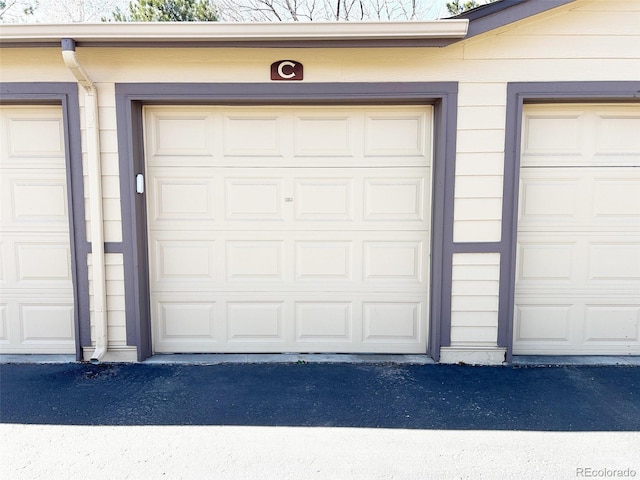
(36, 293)
(288, 229)
(578, 261)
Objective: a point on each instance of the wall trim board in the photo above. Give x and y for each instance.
(130, 98)
(519, 94)
(66, 95)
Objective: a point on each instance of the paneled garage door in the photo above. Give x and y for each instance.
(36, 293)
(578, 263)
(288, 229)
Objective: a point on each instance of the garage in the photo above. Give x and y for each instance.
(461, 189)
(577, 286)
(36, 289)
(288, 229)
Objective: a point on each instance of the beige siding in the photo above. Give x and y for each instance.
(109, 163)
(115, 298)
(474, 299)
(478, 190)
(479, 165)
(479, 162)
(581, 20)
(33, 65)
(572, 47)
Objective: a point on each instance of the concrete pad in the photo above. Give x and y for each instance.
(293, 453)
(33, 358)
(282, 358)
(593, 360)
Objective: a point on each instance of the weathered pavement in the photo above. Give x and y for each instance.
(328, 421)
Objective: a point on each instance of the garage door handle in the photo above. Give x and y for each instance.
(288, 199)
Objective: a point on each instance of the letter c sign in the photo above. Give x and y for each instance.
(284, 70)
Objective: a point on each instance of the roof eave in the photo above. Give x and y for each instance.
(434, 33)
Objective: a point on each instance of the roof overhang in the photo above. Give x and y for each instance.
(276, 34)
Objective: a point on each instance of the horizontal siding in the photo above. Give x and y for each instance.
(33, 64)
(477, 230)
(580, 21)
(491, 117)
(540, 46)
(480, 139)
(473, 336)
(109, 164)
(111, 208)
(479, 163)
(107, 113)
(113, 332)
(611, 5)
(480, 94)
(472, 163)
(115, 298)
(467, 209)
(474, 299)
(477, 208)
(350, 65)
(108, 140)
(479, 186)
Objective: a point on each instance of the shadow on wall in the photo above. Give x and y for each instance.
(325, 395)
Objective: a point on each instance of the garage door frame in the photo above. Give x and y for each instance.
(130, 98)
(519, 94)
(65, 95)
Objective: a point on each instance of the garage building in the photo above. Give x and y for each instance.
(466, 189)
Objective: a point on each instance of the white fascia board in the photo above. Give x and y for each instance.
(133, 32)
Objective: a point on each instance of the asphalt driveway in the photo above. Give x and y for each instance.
(318, 421)
(444, 397)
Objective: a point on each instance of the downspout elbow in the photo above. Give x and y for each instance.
(98, 354)
(70, 60)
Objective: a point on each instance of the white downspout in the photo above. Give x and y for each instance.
(94, 172)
